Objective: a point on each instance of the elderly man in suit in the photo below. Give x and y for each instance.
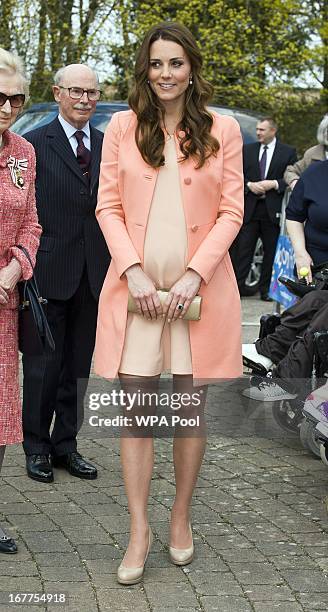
(264, 165)
(71, 265)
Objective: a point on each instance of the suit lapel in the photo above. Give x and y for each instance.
(96, 146)
(61, 146)
(256, 161)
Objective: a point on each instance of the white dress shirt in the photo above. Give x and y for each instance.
(270, 150)
(70, 131)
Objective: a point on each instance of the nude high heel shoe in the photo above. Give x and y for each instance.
(182, 556)
(133, 575)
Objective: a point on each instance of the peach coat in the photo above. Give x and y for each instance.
(213, 206)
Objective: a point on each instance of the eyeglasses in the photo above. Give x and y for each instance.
(77, 92)
(16, 101)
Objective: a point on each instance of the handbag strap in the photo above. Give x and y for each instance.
(27, 255)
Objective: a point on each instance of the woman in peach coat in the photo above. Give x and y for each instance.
(170, 205)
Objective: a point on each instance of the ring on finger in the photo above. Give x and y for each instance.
(180, 307)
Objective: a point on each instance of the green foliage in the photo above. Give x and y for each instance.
(48, 34)
(254, 52)
(258, 54)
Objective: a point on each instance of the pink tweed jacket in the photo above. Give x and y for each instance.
(18, 225)
(18, 216)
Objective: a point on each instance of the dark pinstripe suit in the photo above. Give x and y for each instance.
(71, 265)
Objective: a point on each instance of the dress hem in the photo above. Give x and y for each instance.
(156, 373)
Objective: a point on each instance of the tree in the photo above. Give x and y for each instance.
(244, 48)
(48, 34)
(255, 51)
(315, 21)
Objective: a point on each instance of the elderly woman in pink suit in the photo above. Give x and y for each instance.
(18, 226)
(170, 204)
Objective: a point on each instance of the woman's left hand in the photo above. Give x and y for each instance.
(182, 292)
(10, 275)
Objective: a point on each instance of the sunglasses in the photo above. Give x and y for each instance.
(16, 101)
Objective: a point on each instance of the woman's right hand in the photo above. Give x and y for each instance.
(143, 292)
(304, 260)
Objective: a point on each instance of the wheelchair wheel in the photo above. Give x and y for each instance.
(307, 436)
(288, 415)
(323, 453)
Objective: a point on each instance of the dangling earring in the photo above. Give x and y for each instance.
(190, 80)
(148, 81)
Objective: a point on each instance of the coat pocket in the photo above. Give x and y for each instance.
(46, 243)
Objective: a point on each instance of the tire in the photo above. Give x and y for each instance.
(323, 453)
(253, 278)
(288, 415)
(307, 429)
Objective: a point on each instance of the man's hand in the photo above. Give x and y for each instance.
(268, 184)
(182, 292)
(143, 292)
(256, 187)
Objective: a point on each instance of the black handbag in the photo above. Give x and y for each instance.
(34, 335)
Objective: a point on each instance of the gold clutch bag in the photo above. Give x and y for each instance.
(192, 314)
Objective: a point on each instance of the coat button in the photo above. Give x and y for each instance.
(82, 242)
(187, 180)
(83, 192)
(194, 228)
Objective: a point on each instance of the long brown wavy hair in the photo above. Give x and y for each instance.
(197, 121)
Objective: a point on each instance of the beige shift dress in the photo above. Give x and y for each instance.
(153, 346)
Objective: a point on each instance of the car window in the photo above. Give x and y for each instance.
(101, 120)
(222, 110)
(248, 125)
(29, 120)
(247, 122)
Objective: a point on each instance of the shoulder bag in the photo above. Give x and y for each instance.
(34, 335)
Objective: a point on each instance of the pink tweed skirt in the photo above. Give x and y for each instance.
(10, 403)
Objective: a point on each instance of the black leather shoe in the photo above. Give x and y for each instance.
(8, 545)
(39, 468)
(76, 465)
(266, 298)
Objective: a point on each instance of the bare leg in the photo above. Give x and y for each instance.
(188, 452)
(137, 459)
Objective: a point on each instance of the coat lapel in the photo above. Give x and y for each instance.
(251, 159)
(256, 161)
(61, 146)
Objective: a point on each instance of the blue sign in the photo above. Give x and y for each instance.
(283, 265)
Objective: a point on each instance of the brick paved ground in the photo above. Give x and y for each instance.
(259, 520)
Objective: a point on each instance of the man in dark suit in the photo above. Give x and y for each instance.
(264, 165)
(71, 265)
